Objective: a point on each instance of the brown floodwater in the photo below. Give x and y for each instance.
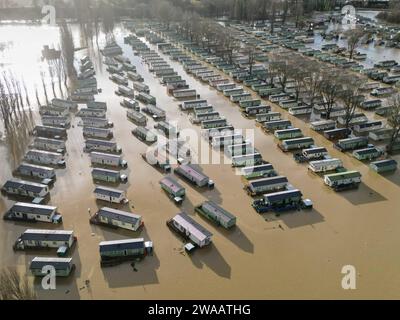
(298, 255)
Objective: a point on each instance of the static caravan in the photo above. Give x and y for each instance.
(314, 153)
(102, 146)
(125, 91)
(49, 144)
(356, 119)
(96, 122)
(45, 157)
(325, 165)
(215, 83)
(118, 218)
(119, 79)
(62, 266)
(262, 170)
(253, 111)
(203, 109)
(233, 91)
(165, 72)
(194, 175)
(288, 104)
(247, 160)
(382, 92)
(239, 149)
(33, 213)
(173, 188)
(82, 96)
(115, 69)
(146, 98)
(34, 171)
(97, 105)
(44, 239)
(130, 104)
(50, 132)
(91, 112)
(190, 229)
(368, 126)
(199, 117)
(66, 104)
(351, 143)
(266, 185)
(53, 111)
(217, 214)
(110, 195)
(218, 131)
(288, 133)
(343, 180)
(269, 116)
(144, 134)
(387, 165)
(380, 134)
(56, 121)
(297, 143)
(136, 117)
(271, 126)
(279, 97)
(279, 201)
(215, 123)
(92, 132)
(25, 188)
(116, 251)
(300, 110)
(141, 87)
(371, 104)
(168, 128)
(226, 139)
(156, 112)
(240, 97)
(134, 76)
(188, 105)
(105, 175)
(184, 93)
(370, 153)
(338, 133)
(106, 159)
(250, 103)
(323, 125)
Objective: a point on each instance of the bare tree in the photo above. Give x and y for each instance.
(329, 88)
(351, 97)
(354, 39)
(394, 122)
(14, 286)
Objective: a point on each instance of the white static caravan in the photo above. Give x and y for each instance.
(198, 117)
(91, 112)
(119, 218)
(119, 79)
(102, 146)
(323, 125)
(136, 117)
(184, 93)
(42, 238)
(125, 91)
(45, 157)
(63, 266)
(53, 111)
(269, 116)
(216, 123)
(34, 171)
(56, 121)
(141, 87)
(34, 212)
(226, 139)
(66, 104)
(191, 229)
(54, 145)
(247, 160)
(92, 132)
(50, 132)
(106, 159)
(188, 105)
(314, 153)
(25, 188)
(110, 195)
(325, 165)
(194, 175)
(96, 122)
(368, 126)
(130, 104)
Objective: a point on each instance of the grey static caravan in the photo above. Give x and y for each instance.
(249, 103)
(288, 104)
(165, 72)
(102, 146)
(368, 126)
(269, 116)
(134, 76)
(136, 117)
(56, 121)
(255, 110)
(240, 97)
(323, 125)
(125, 91)
(203, 109)
(118, 218)
(279, 97)
(226, 139)
(194, 175)
(314, 153)
(49, 144)
(53, 111)
(110, 195)
(107, 175)
(356, 119)
(106, 159)
(325, 165)
(45, 157)
(130, 104)
(271, 126)
(82, 97)
(381, 92)
(50, 132)
(33, 212)
(288, 133)
(369, 153)
(351, 143)
(266, 185)
(387, 165)
(188, 105)
(146, 98)
(218, 131)
(97, 105)
(239, 149)
(215, 83)
(338, 133)
(168, 79)
(86, 74)
(63, 266)
(380, 134)
(156, 112)
(247, 160)
(96, 122)
(168, 128)
(217, 214)
(173, 189)
(115, 251)
(67, 104)
(209, 124)
(91, 112)
(199, 117)
(300, 110)
(144, 134)
(258, 171)
(233, 91)
(186, 226)
(34, 171)
(371, 104)
(25, 188)
(141, 87)
(44, 239)
(298, 143)
(184, 93)
(92, 132)
(115, 69)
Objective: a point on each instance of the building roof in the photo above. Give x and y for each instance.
(116, 245)
(119, 215)
(190, 171)
(108, 191)
(221, 213)
(31, 208)
(24, 185)
(57, 263)
(48, 235)
(192, 226)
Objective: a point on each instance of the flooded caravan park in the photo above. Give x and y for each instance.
(295, 255)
